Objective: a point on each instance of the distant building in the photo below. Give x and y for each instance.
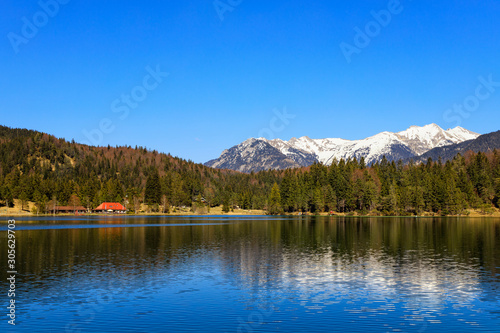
(111, 207)
(69, 209)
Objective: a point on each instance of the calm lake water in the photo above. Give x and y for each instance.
(254, 274)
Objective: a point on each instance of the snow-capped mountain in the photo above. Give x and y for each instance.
(484, 143)
(422, 139)
(259, 154)
(262, 154)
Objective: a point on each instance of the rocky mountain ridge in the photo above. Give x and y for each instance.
(263, 154)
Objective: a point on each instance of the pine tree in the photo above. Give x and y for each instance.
(288, 191)
(24, 199)
(479, 171)
(274, 205)
(392, 198)
(34, 166)
(330, 198)
(418, 199)
(8, 197)
(318, 203)
(497, 193)
(225, 205)
(152, 193)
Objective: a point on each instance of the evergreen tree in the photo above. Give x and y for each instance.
(274, 205)
(34, 166)
(152, 194)
(330, 198)
(479, 171)
(389, 203)
(8, 197)
(497, 193)
(418, 201)
(23, 197)
(288, 190)
(225, 205)
(318, 202)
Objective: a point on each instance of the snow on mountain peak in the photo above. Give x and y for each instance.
(462, 133)
(262, 153)
(415, 140)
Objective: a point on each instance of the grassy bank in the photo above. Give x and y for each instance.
(186, 211)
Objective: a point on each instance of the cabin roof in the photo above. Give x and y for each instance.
(110, 206)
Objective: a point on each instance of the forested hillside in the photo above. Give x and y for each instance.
(40, 168)
(470, 181)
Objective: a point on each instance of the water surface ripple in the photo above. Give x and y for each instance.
(255, 274)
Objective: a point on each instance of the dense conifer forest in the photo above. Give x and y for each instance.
(37, 167)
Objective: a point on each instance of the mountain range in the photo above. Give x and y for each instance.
(256, 154)
(484, 143)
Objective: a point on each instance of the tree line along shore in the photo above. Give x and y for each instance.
(39, 171)
(17, 211)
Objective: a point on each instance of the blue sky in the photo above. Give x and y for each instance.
(234, 65)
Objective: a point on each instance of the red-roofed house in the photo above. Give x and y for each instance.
(111, 207)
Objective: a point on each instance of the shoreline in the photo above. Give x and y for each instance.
(17, 211)
(472, 214)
